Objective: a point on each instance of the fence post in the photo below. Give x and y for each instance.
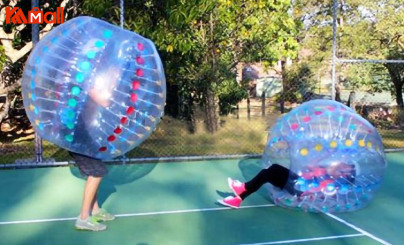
(263, 103)
(351, 100)
(35, 40)
(334, 47)
(248, 107)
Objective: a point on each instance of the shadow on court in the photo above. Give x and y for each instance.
(120, 172)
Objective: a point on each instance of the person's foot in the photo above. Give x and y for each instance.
(103, 215)
(89, 224)
(236, 186)
(231, 201)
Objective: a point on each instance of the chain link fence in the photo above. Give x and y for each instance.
(242, 131)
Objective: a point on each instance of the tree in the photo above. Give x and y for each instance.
(202, 41)
(366, 30)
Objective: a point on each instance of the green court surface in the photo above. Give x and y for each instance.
(174, 203)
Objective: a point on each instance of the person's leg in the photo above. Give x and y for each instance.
(276, 175)
(94, 170)
(89, 196)
(95, 208)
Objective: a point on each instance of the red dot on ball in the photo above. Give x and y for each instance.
(111, 138)
(139, 72)
(118, 130)
(133, 98)
(140, 60)
(135, 85)
(124, 120)
(140, 46)
(130, 110)
(102, 149)
(306, 119)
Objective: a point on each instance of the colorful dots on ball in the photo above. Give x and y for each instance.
(318, 112)
(102, 149)
(304, 151)
(333, 144)
(332, 150)
(139, 72)
(72, 102)
(75, 91)
(306, 119)
(99, 43)
(70, 125)
(140, 60)
(91, 54)
(318, 147)
(69, 138)
(79, 77)
(135, 85)
(140, 46)
(331, 108)
(124, 120)
(107, 33)
(133, 98)
(85, 65)
(117, 130)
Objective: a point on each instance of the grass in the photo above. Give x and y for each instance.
(172, 138)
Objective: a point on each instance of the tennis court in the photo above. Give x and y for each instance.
(174, 203)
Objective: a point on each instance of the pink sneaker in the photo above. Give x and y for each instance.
(231, 201)
(236, 186)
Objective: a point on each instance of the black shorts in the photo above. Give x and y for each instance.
(89, 166)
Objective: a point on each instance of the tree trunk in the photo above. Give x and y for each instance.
(399, 93)
(211, 113)
(337, 92)
(191, 118)
(4, 110)
(282, 100)
(352, 100)
(394, 72)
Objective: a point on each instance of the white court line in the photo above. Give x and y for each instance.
(133, 214)
(304, 240)
(362, 232)
(358, 229)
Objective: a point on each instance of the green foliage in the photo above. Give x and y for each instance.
(97, 8)
(299, 82)
(230, 93)
(366, 30)
(3, 57)
(201, 41)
